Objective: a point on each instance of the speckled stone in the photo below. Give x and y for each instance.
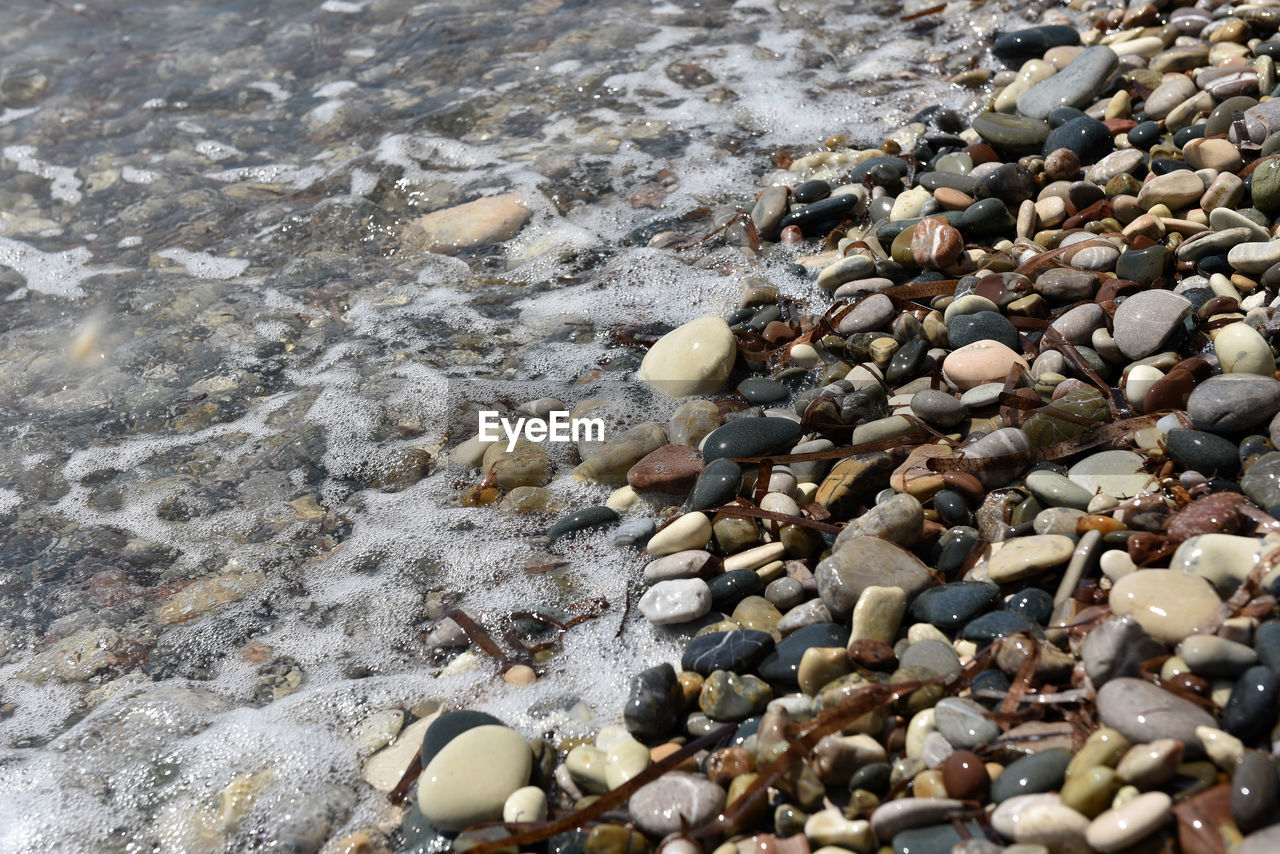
(1142, 712)
(1231, 403)
(1146, 320)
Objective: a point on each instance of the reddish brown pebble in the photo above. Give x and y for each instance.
(872, 654)
(777, 332)
(981, 153)
(1204, 821)
(1062, 164)
(964, 775)
(1101, 524)
(662, 751)
(951, 200)
(935, 245)
(1213, 514)
(1120, 125)
(792, 236)
(671, 468)
(965, 484)
(729, 762)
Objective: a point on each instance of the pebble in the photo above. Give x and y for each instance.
(863, 562)
(676, 601)
(492, 219)
(1073, 86)
(1146, 320)
(1231, 403)
(1255, 792)
(1168, 605)
(1143, 712)
(695, 358)
(1026, 557)
(980, 362)
(1123, 826)
(660, 807)
(737, 651)
(750, 437)
(470, 779)
(1038, 772)
(690, 531)
(654, 700)
(952, 605)
(964, 723)
(1241, 350)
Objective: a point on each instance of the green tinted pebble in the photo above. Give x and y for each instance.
(1026, 511)
(1104, 747)
(1090, 792)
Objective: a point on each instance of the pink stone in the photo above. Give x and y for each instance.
(981, 362)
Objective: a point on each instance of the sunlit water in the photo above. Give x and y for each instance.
(218, 355)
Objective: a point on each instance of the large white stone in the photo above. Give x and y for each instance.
(470, 779)
(692, 359)
(1242, 350)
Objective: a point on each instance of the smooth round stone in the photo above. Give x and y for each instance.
(1033, 603)
(690, 531)
(1000, 443)
(933, 656)
(938, 408)
(675, 799)
(1255, 792)
(695, 358)
(1266, 640)
(1078, 324)
(1143, 712)
(525, 804)
(1033, 41)
(1054, 490)
(1014, 133)
(1169, 605)
(952, 605)
(1223, 560)
(1169, 94)
(1174, 190)
(893, 817)
(761, 390)
(964, 775)
(1032, 774)
(1121, 827)
(980, 362)
(728, 696)
(1264, 841)
(1232, 403)
(1146, 320)
(585, 519)
(964, 723)
(676, 601)
(730, 588)
(1090, 792)
(750, 437)
(1117, 473)
(863, 562)
(1241, 350)
(1025, 557)
(1008, 814)
(867, 316)
(470, 779)
(983, 326)
(783, 664)
(654, 702)
(691, 563)
(1209, 655)
(1251, 709)
(717, 485)
(996, 624)
(986, 394)
(1050, 827)
(1064, 285)
(1087, 137)
(1073, 86)
(738, 651)
(1203, 452)
(1143, 266)
(1262, 481)
(1152, 764)
(1253, 258)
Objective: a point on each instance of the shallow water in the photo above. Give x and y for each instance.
(219, 359)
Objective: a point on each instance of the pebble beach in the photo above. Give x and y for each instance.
(933, 500)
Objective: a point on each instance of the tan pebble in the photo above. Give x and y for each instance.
(520, 674)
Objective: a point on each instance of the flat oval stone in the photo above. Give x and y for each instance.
(1255, 792)
(847, 269)
(676, 601)
(449, 726)
(1033, 774)
(1254, 258)
(1087, 137)
(738, 651)
(864, 562)
(1168, 605)
(695, 358)
(1224, 560)
(867, 316)
(675, 799)
(1209, 655)
(1054, 490)
(1231, 403)
(1121, 474)
(1073, 86)
(1146, 320)
(1121, 827)
(1251, 709)
(717, 484)
(690, 531)
(654, 701)
(582, 520)
(952, 605)
(980, 362)
(1203, 452)
(965, 723)
(982, 395)
(470, 779)
(983, 326)
(1015, 133)
(1174, 190)
(892, 817)
(750, 437)
(1025, 557)
(938, 408)
(1143, 712)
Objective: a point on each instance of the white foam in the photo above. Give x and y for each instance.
(297, 177)
(129, 241)
(271, 87)
(64, 185)
(133, 175)
(55, 273)
(337, 87)
(215, 150)
(202, 265)
(9, 500)
(342, 6)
